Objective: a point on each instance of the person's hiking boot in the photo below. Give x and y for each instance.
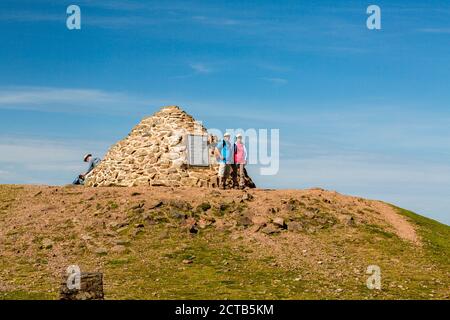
(224, 183)
(235, 181)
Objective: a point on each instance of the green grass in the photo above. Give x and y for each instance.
(218, 270)
(25, 295)
(223, 268)
(435, 236)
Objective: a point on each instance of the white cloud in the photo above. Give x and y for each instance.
(216, 21)
(29, 16)
(198, 68)
(40, 95)
(435, 30)
(201, 68)
(276, 81)
(73, 100)
(45, 161)
(82, 101)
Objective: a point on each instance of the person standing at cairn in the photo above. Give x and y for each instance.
(240, 159)
(224, 153)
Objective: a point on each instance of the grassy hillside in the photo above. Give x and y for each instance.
(163, 243)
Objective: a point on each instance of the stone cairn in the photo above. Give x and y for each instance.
(155, 154)
(91, 287)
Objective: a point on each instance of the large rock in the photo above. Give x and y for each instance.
(279, 222)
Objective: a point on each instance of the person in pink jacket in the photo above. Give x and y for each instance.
(240, 160)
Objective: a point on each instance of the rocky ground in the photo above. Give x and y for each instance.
(200, 243)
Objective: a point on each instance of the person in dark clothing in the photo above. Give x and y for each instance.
(92, 163)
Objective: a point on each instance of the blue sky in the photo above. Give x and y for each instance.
(364, 112)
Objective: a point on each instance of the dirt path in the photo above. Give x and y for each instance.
(402, 226)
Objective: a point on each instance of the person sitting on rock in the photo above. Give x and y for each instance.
(240, 159)
(92, 163)
(225, 157)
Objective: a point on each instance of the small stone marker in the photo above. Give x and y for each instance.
(91, 287)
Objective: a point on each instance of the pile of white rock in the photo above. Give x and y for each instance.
(154, 154)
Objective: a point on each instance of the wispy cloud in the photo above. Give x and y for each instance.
(40, 95)
(276, 81)
(271, 66)
(27, 149)
(72, 100)
(115, 5)
(201, 68)
(435, 30)
(196, 68)
(46, 161)
(254, 26)
(82, 101)
(30, 16)
(216, 21)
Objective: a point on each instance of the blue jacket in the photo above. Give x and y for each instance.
(227, 151)
(93, 162)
